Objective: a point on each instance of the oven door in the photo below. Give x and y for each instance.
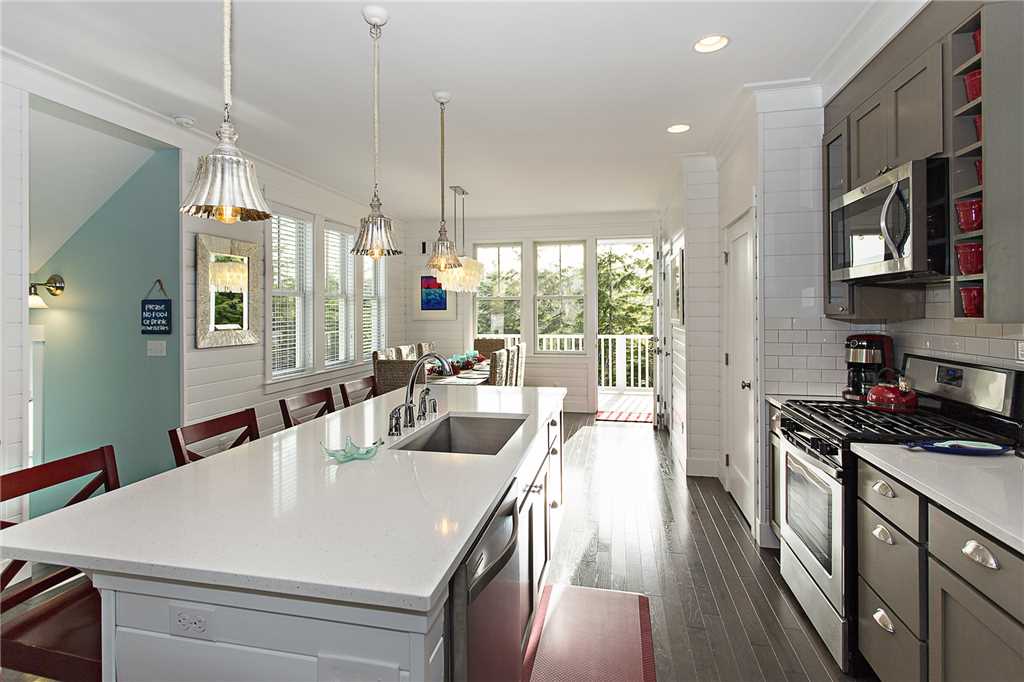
(812, 515)
(872, 228)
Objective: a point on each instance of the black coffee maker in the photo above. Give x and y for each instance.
(866, 356)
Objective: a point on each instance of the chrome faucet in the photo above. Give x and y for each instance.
(403, 415)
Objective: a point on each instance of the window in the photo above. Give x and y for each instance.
(374, 310)
(338, 294)
(498, 302)
(560, 297)
(291, 245)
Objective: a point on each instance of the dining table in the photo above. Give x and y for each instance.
(480, 373)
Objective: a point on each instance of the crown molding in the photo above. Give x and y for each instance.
(874, 29)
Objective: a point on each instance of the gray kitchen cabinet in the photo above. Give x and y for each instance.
(899, 123)
(970, 638)
(870, 125)
(916, 100)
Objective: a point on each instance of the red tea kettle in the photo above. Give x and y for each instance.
(897, 398)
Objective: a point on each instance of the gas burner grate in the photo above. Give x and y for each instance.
(856, 420)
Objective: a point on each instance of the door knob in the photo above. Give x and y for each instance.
(744, 385)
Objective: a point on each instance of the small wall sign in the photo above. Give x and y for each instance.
(156, 312)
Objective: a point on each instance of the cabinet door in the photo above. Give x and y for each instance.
(869, 137)
(916, 96)
(527, 595)
(969, 638)
(835, 174)
(540, 550)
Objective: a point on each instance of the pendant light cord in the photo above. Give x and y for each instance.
(455, 220)
(375, 32)
(463, 222)
(227, 60)
(442, 164)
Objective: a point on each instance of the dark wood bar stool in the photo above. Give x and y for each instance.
(60, 635)
(183, 436)
(322, 396)
(365, 387)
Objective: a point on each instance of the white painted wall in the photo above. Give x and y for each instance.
(571, 371)
(14, 366)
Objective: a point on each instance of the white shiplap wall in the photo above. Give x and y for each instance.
(571, 371)
(14, 367)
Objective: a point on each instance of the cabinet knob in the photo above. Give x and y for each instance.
(554, 451)
(883, 534)
(979, 553)
(883, 620)
(883, 489)
(553, 422)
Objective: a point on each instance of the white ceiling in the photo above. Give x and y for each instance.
(557, 107)
(76, 163)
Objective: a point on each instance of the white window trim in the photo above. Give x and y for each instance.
(317, 366)
(522, 286)
(586, 296)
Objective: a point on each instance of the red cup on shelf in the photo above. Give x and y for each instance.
(972, 297)
(976, 35)
(972, 84)
(977, 126)
(968, 214)
(971, 257)
(978, 165)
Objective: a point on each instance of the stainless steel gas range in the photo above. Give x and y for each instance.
(818, 501)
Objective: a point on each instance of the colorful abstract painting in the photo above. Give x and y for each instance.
(432, 296)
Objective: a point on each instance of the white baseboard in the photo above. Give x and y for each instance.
(706, 468)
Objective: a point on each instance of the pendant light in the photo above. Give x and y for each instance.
(467, 278)
(443, 256)
(374, 238)
(225, 187)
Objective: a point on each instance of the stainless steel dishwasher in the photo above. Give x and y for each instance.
(484, 619)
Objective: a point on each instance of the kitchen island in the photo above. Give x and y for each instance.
(270, 561)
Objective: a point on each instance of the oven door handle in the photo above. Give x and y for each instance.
(812, 462)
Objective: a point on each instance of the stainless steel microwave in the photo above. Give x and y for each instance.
(893, 227)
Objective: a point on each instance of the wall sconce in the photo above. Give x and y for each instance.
(53, 284)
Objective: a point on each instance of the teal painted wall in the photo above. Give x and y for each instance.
(99, 385)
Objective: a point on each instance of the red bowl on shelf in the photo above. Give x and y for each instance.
(968, 214)
(971, 257)
(977, 40)
(972, 296)
(978, 165)
(977, 126)
(972, 84)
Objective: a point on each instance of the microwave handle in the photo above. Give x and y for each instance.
(882, 221)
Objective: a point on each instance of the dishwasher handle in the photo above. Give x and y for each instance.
(485, 575)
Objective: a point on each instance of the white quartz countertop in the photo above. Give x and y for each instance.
(277, 515)
(987, 492)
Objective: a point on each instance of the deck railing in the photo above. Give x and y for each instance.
(624, 361)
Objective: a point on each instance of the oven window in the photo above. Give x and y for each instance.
(809, 511)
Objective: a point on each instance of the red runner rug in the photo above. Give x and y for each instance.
(617, 416)
(584, 634)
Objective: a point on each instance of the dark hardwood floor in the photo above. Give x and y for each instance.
(632, 521)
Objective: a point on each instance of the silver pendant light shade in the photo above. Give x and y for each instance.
(375, 238)
(467, 278)
(225, 186)
(443, 256)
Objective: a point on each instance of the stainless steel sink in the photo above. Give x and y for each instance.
(477, 435)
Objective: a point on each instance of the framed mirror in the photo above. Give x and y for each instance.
(229, 292)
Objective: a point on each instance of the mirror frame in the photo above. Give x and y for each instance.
(206, 246)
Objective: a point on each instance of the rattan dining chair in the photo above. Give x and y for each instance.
(486, 346)
(521, 365)
(499, 368)
(394, 374)
(512, 371)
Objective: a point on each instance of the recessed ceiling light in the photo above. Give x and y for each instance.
(711, 43)
(678, 128)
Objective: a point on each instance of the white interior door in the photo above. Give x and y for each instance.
(740, 472)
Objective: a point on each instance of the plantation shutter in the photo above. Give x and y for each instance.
(373, 313)
(291, 310)
(338, 294)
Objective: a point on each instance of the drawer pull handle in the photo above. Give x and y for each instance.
(884, 489)
(883, 620)
(883, 534)
(977, 552)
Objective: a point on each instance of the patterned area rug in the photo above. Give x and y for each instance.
(617, 416)
(584, 634)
